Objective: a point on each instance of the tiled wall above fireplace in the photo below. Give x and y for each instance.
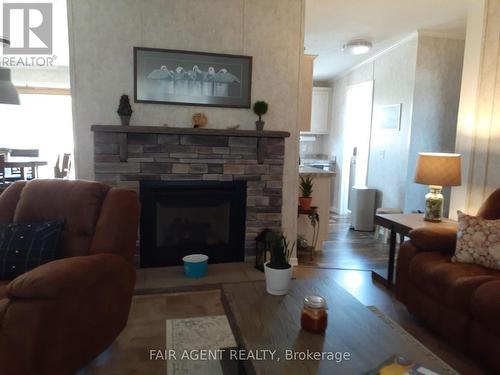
(126, 155)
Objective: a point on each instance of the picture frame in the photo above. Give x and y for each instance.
(165, 76)
(388, 117)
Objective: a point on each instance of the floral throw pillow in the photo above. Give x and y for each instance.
(478, 241)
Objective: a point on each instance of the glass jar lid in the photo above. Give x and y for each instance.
(315, 302)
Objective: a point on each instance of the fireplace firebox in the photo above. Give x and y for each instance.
(187, 217)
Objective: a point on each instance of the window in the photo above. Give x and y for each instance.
(43, 120)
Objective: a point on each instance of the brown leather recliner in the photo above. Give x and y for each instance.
(57, 317)
(459, 301)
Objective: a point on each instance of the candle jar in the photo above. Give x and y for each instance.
(314, 316)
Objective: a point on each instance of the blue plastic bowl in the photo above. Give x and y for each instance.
(195, 265)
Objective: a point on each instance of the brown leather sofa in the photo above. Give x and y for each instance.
(57, 317)
(459, 301)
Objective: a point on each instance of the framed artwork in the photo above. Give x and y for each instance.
(192, 78)
(388, 116)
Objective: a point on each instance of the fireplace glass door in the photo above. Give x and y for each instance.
(182, 218)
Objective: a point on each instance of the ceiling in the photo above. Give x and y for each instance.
(331, 23)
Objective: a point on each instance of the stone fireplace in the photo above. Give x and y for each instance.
(183, 160)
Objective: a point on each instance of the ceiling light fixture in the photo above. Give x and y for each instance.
(357, 47)
(8, 93)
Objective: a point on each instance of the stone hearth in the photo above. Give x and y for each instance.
(126, 155)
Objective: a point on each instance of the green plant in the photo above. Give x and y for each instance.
(260, 109)
(306, 186)
(302, 242)
(124, 109)
(281, 251)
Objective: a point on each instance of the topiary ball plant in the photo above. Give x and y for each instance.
(260, 109)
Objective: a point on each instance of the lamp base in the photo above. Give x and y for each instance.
(434, 202)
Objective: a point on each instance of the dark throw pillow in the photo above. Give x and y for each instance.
(24, 246)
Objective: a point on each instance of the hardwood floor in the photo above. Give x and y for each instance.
(146, 325)
(349, 249)
(348, 259)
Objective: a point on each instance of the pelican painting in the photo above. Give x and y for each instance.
(181, 85)
(195, 84)
(172, 76)
(165, 80)
(222, 80)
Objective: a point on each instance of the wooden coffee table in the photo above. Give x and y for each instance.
(264, 322)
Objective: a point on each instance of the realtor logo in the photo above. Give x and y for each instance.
(28, 26)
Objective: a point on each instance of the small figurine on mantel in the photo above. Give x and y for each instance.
(200, 120)
(124, 110)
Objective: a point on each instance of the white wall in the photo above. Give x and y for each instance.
(485, 176)
(394, 75)
(103, 33)
(478, 136)
(422, 73)
(436, 97)
(476, 17)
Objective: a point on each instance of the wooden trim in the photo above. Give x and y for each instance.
(43, 90)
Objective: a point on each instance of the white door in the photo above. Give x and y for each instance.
(357, 132)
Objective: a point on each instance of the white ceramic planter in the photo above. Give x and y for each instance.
(277, 281)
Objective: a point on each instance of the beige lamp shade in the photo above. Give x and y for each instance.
(438, 169)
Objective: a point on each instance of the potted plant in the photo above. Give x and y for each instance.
(306, 188)
(302, 242)
(124, 110)
(260, 109)
(278, 270)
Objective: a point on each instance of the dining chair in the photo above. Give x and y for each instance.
(62, 170)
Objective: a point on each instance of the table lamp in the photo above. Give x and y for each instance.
(437, 170)
(8, 93)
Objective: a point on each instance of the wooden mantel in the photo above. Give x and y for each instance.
(124, 130)
(189, 131)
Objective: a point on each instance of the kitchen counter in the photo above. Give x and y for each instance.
(304, 170)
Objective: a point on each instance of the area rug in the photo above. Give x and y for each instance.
(194, 337)
(407, 336)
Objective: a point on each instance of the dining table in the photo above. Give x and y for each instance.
(25, 163)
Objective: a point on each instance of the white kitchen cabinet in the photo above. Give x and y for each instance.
(320, 110)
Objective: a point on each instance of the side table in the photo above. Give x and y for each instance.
(401, 224)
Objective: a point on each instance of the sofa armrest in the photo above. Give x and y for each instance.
(70, 276)
(443, 239)
(59, 316)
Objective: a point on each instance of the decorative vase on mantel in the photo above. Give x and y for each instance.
(124, 110)
(259, 125)
(125, 120)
